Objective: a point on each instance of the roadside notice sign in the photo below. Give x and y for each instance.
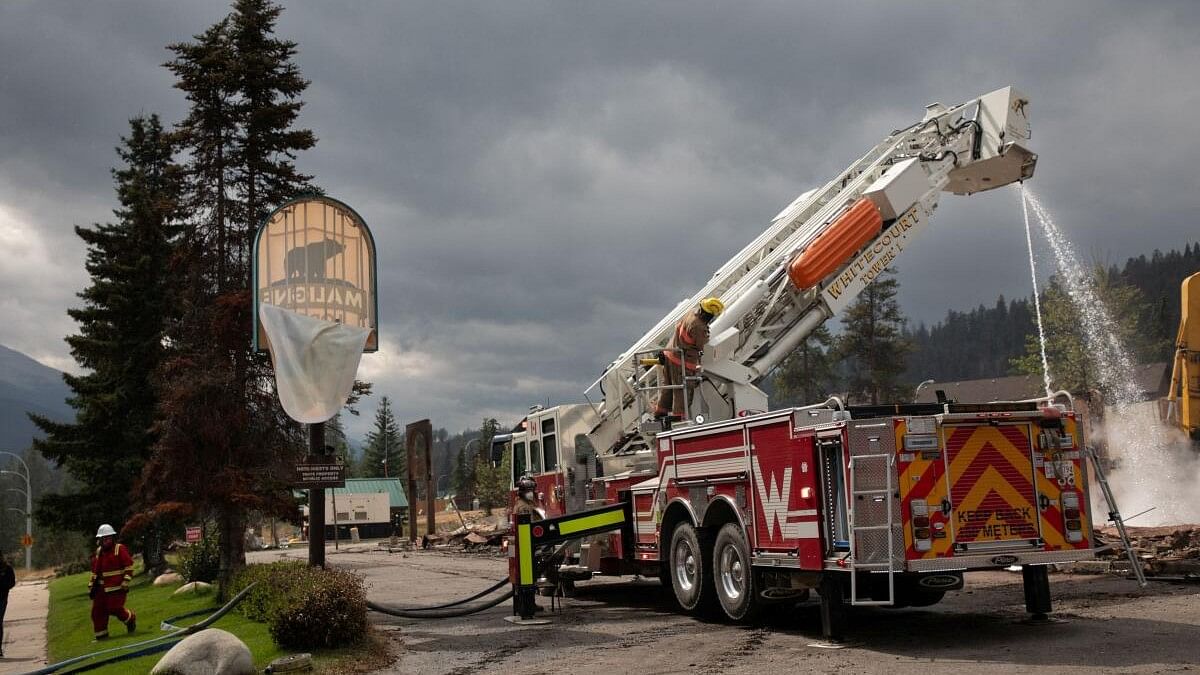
(320, 472)
(193, 534)
(26, 540)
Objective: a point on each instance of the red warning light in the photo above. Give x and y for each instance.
(538, 531)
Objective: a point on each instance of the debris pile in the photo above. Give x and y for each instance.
(475, 531)
(1163, 551)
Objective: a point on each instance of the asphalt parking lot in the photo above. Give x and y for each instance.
(631, 625)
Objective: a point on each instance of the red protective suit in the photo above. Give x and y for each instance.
(112, 568)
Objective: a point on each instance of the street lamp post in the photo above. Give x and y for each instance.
(28, 507)
(920, 387)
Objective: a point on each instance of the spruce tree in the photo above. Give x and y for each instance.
(1073, 364)
(385, 442)
(119, 345)
(873, 343)
(808, 374)
(226, 446)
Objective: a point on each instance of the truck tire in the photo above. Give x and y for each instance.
(690, 565)
(733, 578)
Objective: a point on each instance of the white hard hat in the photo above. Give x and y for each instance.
(106, 530)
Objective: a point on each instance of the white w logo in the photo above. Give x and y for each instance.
(774, 500)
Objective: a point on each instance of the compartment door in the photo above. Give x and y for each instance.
(992, 502)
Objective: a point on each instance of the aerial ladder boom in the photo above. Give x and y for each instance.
(816, 256)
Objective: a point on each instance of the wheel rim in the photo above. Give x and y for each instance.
(685, 565)
(733, 574)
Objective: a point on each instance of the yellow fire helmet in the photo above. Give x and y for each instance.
(713, 306)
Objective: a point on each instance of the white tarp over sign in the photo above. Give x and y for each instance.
(315, 362)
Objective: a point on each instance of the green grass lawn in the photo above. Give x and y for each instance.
(69, 625)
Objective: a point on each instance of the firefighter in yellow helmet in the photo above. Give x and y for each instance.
(683, 352)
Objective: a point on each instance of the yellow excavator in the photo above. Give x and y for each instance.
(1183, 400)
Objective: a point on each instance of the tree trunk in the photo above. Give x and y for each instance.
(152, 550)
(231, 524)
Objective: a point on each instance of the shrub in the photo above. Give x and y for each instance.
(275, 582)
(305, 607)
(327, 609)
(201, 561)
(73, 567)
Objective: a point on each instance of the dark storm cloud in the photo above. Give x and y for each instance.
(545, 180)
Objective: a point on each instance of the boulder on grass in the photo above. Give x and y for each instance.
(194, 588)
(168, 579)
(209, 652)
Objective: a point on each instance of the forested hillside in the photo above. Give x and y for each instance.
(982, 342)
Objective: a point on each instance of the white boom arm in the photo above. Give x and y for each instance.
(975, 146)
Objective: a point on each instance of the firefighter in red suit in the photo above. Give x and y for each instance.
(112, 569)
(683, 351)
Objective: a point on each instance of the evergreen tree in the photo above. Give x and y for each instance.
(1072, 363)
(226, 447)
(384, 454)
(335, 437)
(491, 480)
(460, 480)
(119, 344)
(808, 374)
(873, 342)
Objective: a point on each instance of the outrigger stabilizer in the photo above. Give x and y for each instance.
(531, 538)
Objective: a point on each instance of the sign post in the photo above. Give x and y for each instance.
(416, 445)
(315, 257)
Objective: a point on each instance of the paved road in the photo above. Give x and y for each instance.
(631, 626)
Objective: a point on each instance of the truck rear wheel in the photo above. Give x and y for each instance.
(691, 562)
(732, 574)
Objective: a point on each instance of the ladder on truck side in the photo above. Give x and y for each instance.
(867, 465)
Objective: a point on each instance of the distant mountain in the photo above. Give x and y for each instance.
(28, 386)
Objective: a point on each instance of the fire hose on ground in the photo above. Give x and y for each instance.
(453, 609)
(159, 644)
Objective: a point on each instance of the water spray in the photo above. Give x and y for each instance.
(1037, 303)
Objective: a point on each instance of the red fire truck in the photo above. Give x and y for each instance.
(736, 507)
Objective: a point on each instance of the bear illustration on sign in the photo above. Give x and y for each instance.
(308, 262)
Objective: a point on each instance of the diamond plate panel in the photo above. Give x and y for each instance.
(873, 546)
(872, 438)
(868, 511)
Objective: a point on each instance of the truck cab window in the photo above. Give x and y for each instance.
(535, 457)
(518, 462)
(550, 451)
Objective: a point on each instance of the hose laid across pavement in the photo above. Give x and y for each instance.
(450, 610)
(432, 613)
(461, 601)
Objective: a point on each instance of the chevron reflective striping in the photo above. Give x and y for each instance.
(991, 484)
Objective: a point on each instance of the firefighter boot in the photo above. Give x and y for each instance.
(131, 624)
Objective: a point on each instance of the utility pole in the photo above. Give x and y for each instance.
(28, 508)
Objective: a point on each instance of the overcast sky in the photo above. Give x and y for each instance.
(546, 180)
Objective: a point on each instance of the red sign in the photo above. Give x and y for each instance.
(193, 535)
